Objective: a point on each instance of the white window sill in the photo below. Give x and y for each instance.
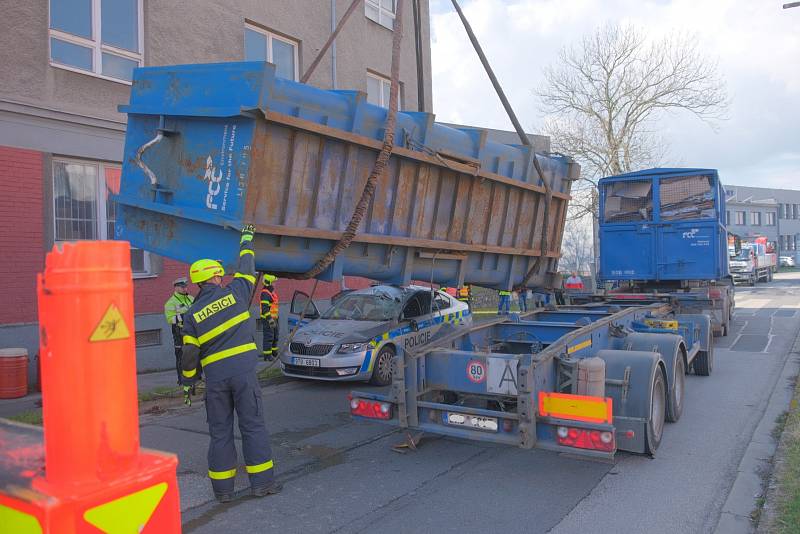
(381, 24)
(89, 73)
(144, 276)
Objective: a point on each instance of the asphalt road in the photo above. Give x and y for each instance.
(342, 476)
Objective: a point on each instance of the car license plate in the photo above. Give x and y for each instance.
(308, 362)
(472, 421)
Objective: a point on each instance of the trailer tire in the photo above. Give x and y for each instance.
(655, 421)
(382, 370)
(678, 391)
(769, 274)
(752, 280)
(703, 363)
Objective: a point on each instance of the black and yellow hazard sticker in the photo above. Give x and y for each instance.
(111, 327)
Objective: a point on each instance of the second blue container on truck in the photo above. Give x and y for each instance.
(663, 231)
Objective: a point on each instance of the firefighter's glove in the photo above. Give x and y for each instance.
(188, 391)
(247, 233)
(271, 323)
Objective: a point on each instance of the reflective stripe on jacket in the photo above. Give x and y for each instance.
(177, 304)
(218, 328)
(269, 303)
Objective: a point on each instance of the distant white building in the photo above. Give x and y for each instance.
(761, 211)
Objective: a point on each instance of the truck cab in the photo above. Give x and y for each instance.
(755, 261)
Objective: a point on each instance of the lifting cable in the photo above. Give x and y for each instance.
(381, 162)
(378, 170)
(544, 246)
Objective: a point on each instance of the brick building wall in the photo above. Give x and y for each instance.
(21, 232)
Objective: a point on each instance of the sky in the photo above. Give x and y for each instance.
(755, 42)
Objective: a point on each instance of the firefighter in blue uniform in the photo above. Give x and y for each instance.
(219, 331)
(269, 313)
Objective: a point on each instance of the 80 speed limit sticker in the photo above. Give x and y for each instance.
(476, 371)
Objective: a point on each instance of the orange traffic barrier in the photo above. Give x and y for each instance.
(92, 477)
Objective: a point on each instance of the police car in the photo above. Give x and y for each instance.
(357, 337)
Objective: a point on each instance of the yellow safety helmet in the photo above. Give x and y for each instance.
(269, 278)
(203, 270)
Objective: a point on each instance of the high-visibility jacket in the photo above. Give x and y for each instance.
(463, 293)
(573, 282)
(176, 306)
(450, 291)
(218, 328)
(504, 293)
(269, 304)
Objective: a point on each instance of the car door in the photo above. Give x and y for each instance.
(302, 306)
(417, 320)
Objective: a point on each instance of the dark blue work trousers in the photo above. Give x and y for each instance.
(241, 393)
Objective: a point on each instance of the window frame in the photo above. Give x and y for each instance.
(743, 218)
(755, 218)
(96, 43)
(270, 35)
(101, 215)
(382, 12)
(771, 218)
(386, 86)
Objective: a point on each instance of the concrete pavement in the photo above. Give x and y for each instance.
(342, 476)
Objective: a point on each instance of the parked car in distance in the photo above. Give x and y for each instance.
(786, 261)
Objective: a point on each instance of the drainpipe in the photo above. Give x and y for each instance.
(333, 45)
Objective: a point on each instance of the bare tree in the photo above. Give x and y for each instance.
(576, 246)
(604, 99)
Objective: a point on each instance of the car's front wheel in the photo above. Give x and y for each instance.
(382, 368)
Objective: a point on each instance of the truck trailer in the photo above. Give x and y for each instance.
(212, 147)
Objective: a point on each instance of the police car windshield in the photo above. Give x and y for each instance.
(364, 307)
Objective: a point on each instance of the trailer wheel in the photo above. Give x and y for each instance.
(382, 370)
(751, 281)
(676, 396)
(655, 423)
(769, 275)
(704, 361)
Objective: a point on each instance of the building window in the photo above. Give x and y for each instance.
(740, 218)
(727, 218)
(381, 11)
(262, 45)
(755, 218)
(102, 37)
(782, 211)
(770, 218)
(378, 89)
(82, 205)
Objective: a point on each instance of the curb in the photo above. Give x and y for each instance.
(757, 459)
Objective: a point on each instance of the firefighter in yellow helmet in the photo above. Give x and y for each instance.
(219, 332)
(269, 313)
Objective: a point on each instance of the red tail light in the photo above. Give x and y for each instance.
(586, 439)
(715, 293)
(371, 409)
